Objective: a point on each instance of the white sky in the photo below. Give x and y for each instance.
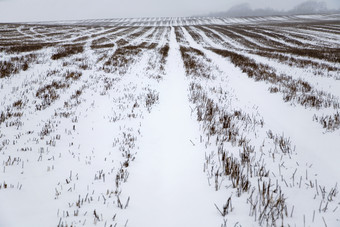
(44, 10)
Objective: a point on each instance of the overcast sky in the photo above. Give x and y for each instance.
(44, 10)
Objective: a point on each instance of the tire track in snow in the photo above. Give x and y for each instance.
(167, 185)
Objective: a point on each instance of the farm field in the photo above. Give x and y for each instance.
(171, 122)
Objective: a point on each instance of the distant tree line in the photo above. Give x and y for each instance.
(244, 9)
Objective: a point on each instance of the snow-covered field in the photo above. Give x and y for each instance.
(163, 122)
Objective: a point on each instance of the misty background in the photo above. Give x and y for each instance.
(49, 10)
(308, 7)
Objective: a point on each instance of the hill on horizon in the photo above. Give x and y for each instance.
(244, 9)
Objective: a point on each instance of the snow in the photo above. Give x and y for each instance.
(167, 184)
(133, 136)
(315, 146)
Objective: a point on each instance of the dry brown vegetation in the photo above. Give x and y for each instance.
(293, 90)
(67, 50)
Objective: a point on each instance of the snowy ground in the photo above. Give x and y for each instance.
(171, 122)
